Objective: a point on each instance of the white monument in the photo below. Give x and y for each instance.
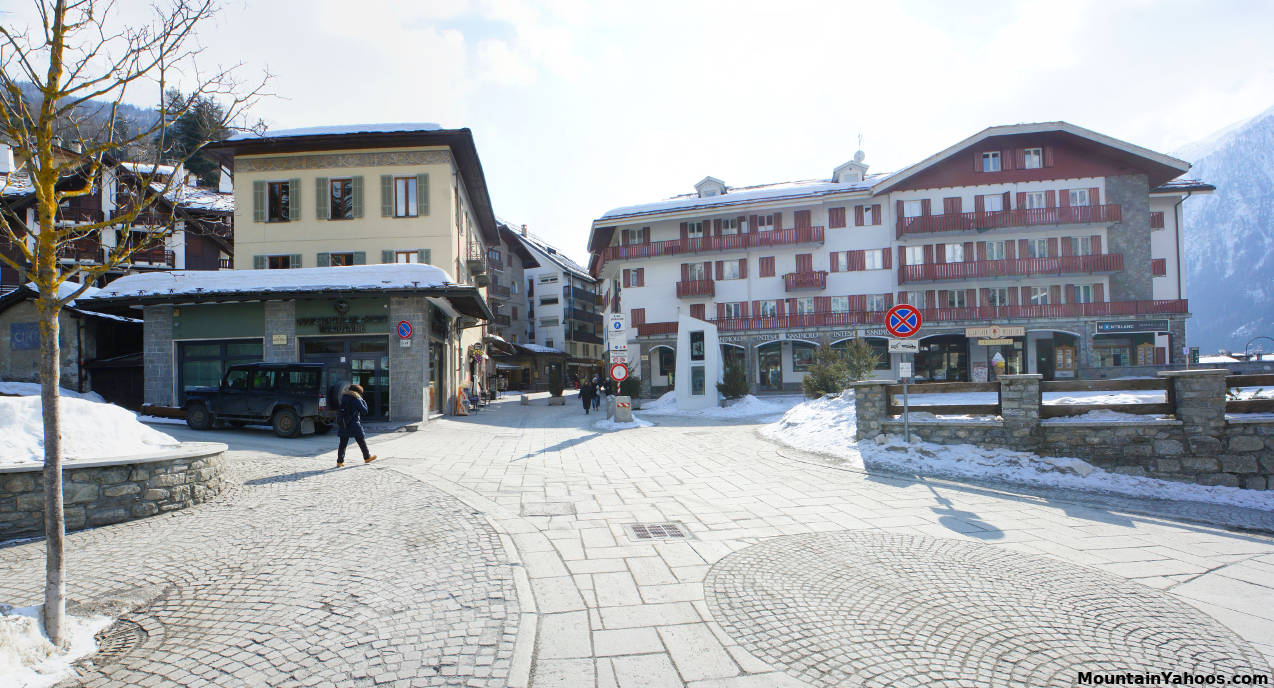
(698, 364)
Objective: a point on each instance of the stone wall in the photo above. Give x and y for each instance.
(98, 493)
(157, 345)
(280, 321)
(1196, 444)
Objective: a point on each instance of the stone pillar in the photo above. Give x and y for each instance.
(1020, 406)
(1197, 398)
(409, 365)
(1177, 330)
(280, 320)
(157, 357)
(871, 406)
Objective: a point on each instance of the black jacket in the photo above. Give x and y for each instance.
(353, 408)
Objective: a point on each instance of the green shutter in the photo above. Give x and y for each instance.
(258, 202)
(324, 260)
(423, 255)
(322, 211)
(422, 193)
(294, 261)
(294, 199)
(386, 196)
(387, 256)
(360, 258)
(258, 262)
(358, 196)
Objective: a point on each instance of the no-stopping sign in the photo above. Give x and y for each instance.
(902, 320)
(619, 372)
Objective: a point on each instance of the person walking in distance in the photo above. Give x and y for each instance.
(587, 392)
(598, 390)
(350, 423)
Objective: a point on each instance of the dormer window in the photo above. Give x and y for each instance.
(710, 186)
(991, 161)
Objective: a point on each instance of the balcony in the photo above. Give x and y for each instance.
(1017, 267)
(997, 314)
(1018, 217)
(146, 218)
(577, 293)
(79, 215)
(501, 319)
(581, 336)
(585, 316)
(696, 288)
(798, 281)
(500, 290)
(728, 242)
(88, 249)
(154, 256)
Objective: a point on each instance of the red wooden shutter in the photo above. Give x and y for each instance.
(1021, 158)
(645, 235)
(1065, 200)
(1096, 242)
(926, 206)
(638, 316)
(1021, 200)
(928, 253)
(1068, 248)
(931, 299)
(902, 297)
(942, 299)
(751, 223)
(805, 262)
(1158, 267)
(778, 304)
(968, 251)
(697, 311)
(981, 250)
(875, 214)
(898, 210)
(856, 261)
(685, 272)
(743, 268)
(1054, 294)
(716, 227)
(902, 255)
(1050, 199)
(836, 217)
(1099, 293)
(858, 216)
(1004, 200)
(832, 263)
(1026, 295)
(685, 230)
(1010, 250)
(778, 221)
(756, 308)
(1023, 248)
(986, 298)
(940, 253)
(1069, 290)
(979, 204)
(802, 219)
(889, 300)
(1048, 156)
(951, 206)
(1161, 355)
(1006, 159)
(1013, 296)
(743, 309)
(1094, 196)
(719, 270)
(822, 304)
(1052, 247)
(720, 311)
(641, 277)
(977, 161)
(707, 269)
(886, 259)
(625, 278)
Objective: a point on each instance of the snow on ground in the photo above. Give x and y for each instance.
(746, 407)
(32, 389)
(90, 430)
(610, 424)
(1252, 393)
(29, 660)
(1102, 415)
(966, 398)
(827, 426)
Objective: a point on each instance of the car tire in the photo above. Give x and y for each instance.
(321, 428)
(286, 423)
(198, 417)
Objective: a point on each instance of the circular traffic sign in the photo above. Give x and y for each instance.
(404, 329)
(619, 372)
(902, 320)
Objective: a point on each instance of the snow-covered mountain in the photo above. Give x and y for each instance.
(1229, 236)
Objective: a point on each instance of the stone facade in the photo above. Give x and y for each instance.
(409, 365)
(280, 321)
(157, 345)
(1197, 444)
(104, 492)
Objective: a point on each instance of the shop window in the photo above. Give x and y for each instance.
(802, 356)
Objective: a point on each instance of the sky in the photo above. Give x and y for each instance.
(579, 107)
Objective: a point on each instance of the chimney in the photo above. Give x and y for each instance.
(523, 230)
(6, 159)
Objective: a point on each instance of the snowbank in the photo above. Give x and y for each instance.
(32, 389)
(746, 407)
(90, 430)
(827, 426)
(610, 424)
(29, 660)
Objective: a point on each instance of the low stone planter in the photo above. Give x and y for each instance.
(112, 490)
(557, 401)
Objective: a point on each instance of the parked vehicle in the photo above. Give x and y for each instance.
(293, 398)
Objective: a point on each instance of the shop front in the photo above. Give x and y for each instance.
(943, 358)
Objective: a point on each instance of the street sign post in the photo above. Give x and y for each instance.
(618, 372)
(903, 320)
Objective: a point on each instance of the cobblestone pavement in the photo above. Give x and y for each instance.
(300, 575)
(608, 609)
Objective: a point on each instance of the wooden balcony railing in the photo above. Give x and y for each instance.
(1017, 217)
(996, 314)
(147, 218)
(728, 242)
(797, 281)
(976, 269)
(80, 215)
(155, 256)
(226, 263)
(87, 250)
(696, 288)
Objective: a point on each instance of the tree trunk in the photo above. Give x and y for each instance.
(54, 518)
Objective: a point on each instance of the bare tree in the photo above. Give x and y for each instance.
(85, 64)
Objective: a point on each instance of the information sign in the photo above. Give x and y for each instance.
(904, 346)
(904, 369)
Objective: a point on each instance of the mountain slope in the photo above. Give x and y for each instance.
(1229, 236)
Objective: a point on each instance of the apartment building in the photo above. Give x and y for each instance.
(565, 309)
(1048, 246)
(507, 263)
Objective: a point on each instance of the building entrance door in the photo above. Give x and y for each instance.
(435, 376)
(770, 363)
(362, 361)
(1044, 358)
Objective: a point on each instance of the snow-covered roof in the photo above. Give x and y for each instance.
(540, 349)
(345, 278)
(737, 195)
(147, 168)
(1183, 184)
(338, 129)
(16, 184)
(195, 198)
(554, 255)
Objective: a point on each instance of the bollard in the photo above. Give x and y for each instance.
(623, 409)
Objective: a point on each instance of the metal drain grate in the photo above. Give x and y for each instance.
(658, 531)
(117, 640)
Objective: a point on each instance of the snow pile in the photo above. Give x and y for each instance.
(746, 407)
(1105, 415)
(29, 660)
(827, 426)
(90, 430)
(347, 277)
(1138, 397)
(610, 424)
(32, 389)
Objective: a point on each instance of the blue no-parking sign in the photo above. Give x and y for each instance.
(404, 329)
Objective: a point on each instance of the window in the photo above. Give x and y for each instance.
(263, 379)
(994, 250)
(516, 287)
(839, 261)
(916, 298)
(1039, 296)
(1082, 246)
(278, 262)
(766, 266)
(1035, 199)
(342, 199)
(633, 236)
(997, 297)
(1078, 196)
(494, 258)
(1033, 158)
(840, 304)
(238, 379)
(730, 225)
(802, 356)
(915, 255)
(805, 306)
(870, 214)
(956, 299)
(835, 217)
(764, 223)
(1158, 267)
(694, 272)
(876, 302)
(549, 342)
(280, 206)
(340, 259)
(991, 161)
(912, 208)
(767, 309)
(694, 230)
(406, 256)
(874, 259)
(1037, 248)
(548, 301)
(405, 204)
(955, 253)
(730, 269)
(1083, 293)
(992, 203)
(732, 310)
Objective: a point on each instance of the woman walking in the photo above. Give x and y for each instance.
(586, 393)
(350, 424)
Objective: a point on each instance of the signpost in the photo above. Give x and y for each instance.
(618, 372)
(904, 321)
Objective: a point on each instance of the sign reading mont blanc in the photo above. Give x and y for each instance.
(994, 332)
